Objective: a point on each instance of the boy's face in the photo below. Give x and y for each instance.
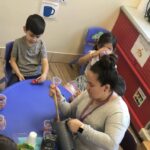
(31, 38)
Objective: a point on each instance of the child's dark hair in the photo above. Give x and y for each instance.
(108, 74)
(7, 144)
(105, 38)
(36, 24)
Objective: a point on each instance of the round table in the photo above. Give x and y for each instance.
(27, 107)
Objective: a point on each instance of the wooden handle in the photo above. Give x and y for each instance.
(57, 108)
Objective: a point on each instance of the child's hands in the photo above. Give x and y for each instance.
(102, 51)
(41, 78)
(21, 77)
(105, 51)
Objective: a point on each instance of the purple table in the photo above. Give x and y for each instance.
(28, 106)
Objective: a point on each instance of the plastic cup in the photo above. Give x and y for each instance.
(31, 140)
(3, 99)
(2, 122)
(49, 135)
(47, 125)
(56, 80)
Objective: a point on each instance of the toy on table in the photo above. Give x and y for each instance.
(34, 81)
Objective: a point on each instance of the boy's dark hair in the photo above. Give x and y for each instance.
(7, 144)
(108, 74)
(36, 24)
(105, 38)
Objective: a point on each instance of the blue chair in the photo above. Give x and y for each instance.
(7, 68)
(92, 36)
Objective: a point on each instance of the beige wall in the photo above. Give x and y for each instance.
(65, 33)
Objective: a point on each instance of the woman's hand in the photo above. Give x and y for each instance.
(55, 91)
(74, 125)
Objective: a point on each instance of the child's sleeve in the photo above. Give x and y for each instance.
(43, 50)
(14, 50)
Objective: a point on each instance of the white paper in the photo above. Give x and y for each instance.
(141, 50)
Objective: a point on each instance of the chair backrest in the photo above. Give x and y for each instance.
(94, 33)
(128, 142)
(8, 69)
(92, 36)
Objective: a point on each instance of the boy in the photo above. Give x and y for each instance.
(29, 57)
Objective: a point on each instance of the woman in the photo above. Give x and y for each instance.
(99, 117)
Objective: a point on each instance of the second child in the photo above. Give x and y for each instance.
(105, 45)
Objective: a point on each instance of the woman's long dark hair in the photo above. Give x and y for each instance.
(108, 74)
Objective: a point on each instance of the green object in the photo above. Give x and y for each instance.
(22, 140)
(97, 35)
(25, 146)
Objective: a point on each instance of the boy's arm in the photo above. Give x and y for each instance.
(45, 68)
(15, 68)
